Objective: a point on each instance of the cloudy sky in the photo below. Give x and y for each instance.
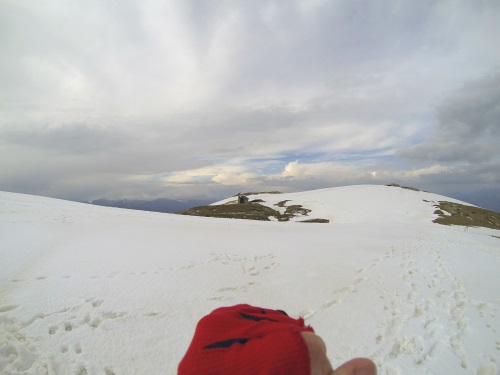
(207, 98)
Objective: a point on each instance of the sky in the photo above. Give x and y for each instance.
(208, 98)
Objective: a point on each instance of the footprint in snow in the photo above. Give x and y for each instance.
(82, 370)
(307, 314)
(8, 308)
(219, 298)
(346, 289)
(359, 280)
(97, 302)
(331, 303)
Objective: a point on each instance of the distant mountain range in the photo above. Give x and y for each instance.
(486, 198)
(165, 205)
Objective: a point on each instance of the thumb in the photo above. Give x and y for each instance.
(357, 366)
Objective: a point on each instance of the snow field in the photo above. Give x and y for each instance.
(94, 290)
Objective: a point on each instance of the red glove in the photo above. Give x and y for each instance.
(247, 340)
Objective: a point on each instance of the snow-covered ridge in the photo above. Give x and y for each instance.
(359, 203)
(97, 290)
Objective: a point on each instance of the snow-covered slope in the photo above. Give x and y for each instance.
(358, 204)
(94, 290)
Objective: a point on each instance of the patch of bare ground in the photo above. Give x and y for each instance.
(293, 211)
(315, 221)
(259, 192)
(251, 211)
(282, 203)
(468, 216)
(404, 187)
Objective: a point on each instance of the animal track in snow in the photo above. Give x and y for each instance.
(390, 253)
(375, 263)
(350, 288)
(253, 267)
(81, 370)
(78, 349)
(87, 313)
(411, 307)
(64, 323)
(253, 271)
(434, 303)
(71, 360)
(68, 326)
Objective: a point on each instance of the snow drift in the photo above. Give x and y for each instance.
(94, 290)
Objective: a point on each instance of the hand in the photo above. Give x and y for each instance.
(320, 365)
(246, 340)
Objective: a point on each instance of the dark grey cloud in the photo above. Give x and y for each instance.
(73, 139)
(468, 125)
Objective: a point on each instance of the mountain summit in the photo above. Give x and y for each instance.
(352, 204)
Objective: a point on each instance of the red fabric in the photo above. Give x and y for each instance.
(247, 340)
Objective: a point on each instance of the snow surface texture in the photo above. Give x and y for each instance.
(95, 290)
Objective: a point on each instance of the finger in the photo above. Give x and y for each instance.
(319, 363)
(357, 366)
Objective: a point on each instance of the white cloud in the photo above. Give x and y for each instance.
(416, 174)
(234, 178)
